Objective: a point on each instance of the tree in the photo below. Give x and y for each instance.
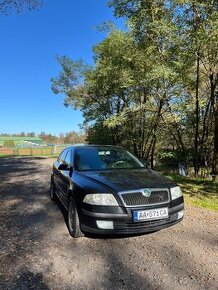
(200, 21)
(74, 138)
(18, 6)
(196, 25)
(120, 93)
(152, 88)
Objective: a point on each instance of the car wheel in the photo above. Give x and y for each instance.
(53, 195)
(73, 219)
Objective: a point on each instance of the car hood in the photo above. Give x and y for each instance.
(123, 179)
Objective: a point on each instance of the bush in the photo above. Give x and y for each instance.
(9, 143)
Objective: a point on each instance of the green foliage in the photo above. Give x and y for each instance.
(9, 143)
(145, 90)
(100, 135)
(69, 81)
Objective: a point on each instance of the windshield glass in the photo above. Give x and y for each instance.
(103, 158)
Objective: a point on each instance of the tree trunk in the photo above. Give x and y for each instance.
(151, 149)
(143, 100)
(152, 152)
(196, 153)
(214, 100)
(216, 140)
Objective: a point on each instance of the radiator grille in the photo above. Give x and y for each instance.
(137, 198)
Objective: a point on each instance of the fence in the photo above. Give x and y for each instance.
(27, 151)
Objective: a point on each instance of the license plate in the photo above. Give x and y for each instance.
(151, 214)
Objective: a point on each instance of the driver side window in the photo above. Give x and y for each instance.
(68, 159)
(62, 156)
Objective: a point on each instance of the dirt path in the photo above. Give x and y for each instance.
(36, 251)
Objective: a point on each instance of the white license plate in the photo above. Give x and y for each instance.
(151, 214)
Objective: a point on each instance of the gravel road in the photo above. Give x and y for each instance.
(36, 251)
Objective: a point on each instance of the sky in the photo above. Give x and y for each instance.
(29, 45)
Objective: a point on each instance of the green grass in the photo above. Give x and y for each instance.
(198, 192)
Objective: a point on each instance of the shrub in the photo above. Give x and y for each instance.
(9, 143)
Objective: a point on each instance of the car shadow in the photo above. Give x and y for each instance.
(28, 280)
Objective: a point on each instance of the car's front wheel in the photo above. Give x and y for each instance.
(73, 219)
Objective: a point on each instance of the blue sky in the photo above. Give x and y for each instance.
(29, 44)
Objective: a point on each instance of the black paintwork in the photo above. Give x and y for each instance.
(69, 181)
(126, 179)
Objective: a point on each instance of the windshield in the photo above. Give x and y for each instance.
(103, 158)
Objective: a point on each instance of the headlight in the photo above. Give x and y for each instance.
(176, 192)
(100, 199)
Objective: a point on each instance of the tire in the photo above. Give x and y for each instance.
(73, 221)
(53, 195)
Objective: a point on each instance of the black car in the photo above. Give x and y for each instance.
(106, 190)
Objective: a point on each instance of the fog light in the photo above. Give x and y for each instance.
(106, 225)
(180, 214)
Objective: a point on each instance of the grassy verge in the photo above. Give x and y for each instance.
(198, 192)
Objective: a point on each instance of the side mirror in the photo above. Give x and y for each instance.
(64, 166)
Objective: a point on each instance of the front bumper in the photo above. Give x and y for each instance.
(122, 218)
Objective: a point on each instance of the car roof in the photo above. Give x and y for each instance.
(76, 146)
